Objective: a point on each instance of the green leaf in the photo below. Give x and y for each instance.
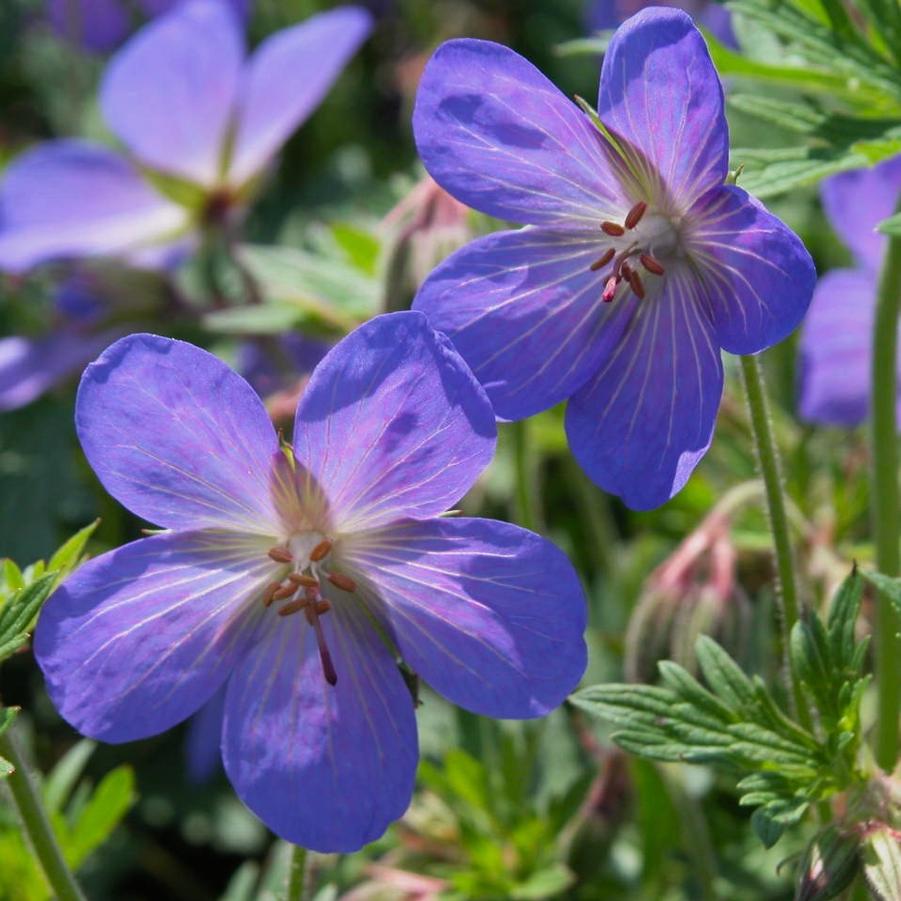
(890, 587)
(271, 318)
(7, 715)
(890, 226)
(107, 806)
(69, 555)
(66, 773)
(810, 659)
(546, 883)
(19, 611)
(723, 674)
(362, 247)
(881, 853)
(767, 830)
(686, 686)
(843, 620)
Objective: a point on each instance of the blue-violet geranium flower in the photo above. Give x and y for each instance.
(836, 347)
(297, 579)
(192, 112)
(638, 263)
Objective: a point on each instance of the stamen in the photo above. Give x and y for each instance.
(281, 554)
(634, 215)
(286, 591)
(651, 264)
(269, 593)
(293, 607)
(339, 580)
(603, 261)
(305, 581)
(325, 658)
(636, 283)
(321, 550)
(322, 607)
(614, 229)
(610, 288)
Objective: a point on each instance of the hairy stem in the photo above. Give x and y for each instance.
(297, 877)
(884, 500)
(36, 823)
(770, 471)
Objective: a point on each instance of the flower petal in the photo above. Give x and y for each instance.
(495, 133)
(661, 96)
(96, 25)
(72, 199)
(392, 423)
(169, 93)
(325, 767)
(177, 436)
(139, 638)
(642, 424)
(836, 349)
(757, 273)
(489, 614)
(524, 310)
(856, 202)
(286, 80)
(29, 367)
(158, 7)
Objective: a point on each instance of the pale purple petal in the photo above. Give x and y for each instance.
(158, 7)
(139, 638)
(29, 367)
(393, 424)
(96, 25)
(495, 133)
(203, 749)
(74, 199)
(856, 202)
(661, 96)
(489, 614)
(178, 437)
(836, 350)
(524, 310)
(325, 767)
(169, 93)
(286, 79)
(757, 275)
(642, 424)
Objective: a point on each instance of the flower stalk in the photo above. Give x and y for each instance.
(770, 471)
(297, 877)
(36, 824)
(885, 505)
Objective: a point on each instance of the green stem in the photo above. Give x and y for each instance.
(768, 457)
(37, 825)
(526, 476)
(884, 456)
(297, 878)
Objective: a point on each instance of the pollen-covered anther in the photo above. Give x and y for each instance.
(603, 261)
(284, 592)
(651, 264)
(281, 554)
(614, 229)
(345, 583)
(633, 217)
(269, 593)
(303, 580)
(636, 283)
(321, 551)
(293, 607)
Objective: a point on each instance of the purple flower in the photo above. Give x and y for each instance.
(638, 263)
(604, 15)
(837, 337)
(99, 25)
(297, 580)
(187, 105)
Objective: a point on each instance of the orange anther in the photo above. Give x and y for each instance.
(634, 215)
(269, 592)
(651, 264)
(281, 554)
(603, 261)
(305, 581)
(286, 591)
(339, 580)
(636, 283)
(321, 550)
(293, 607)
(614, 229)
